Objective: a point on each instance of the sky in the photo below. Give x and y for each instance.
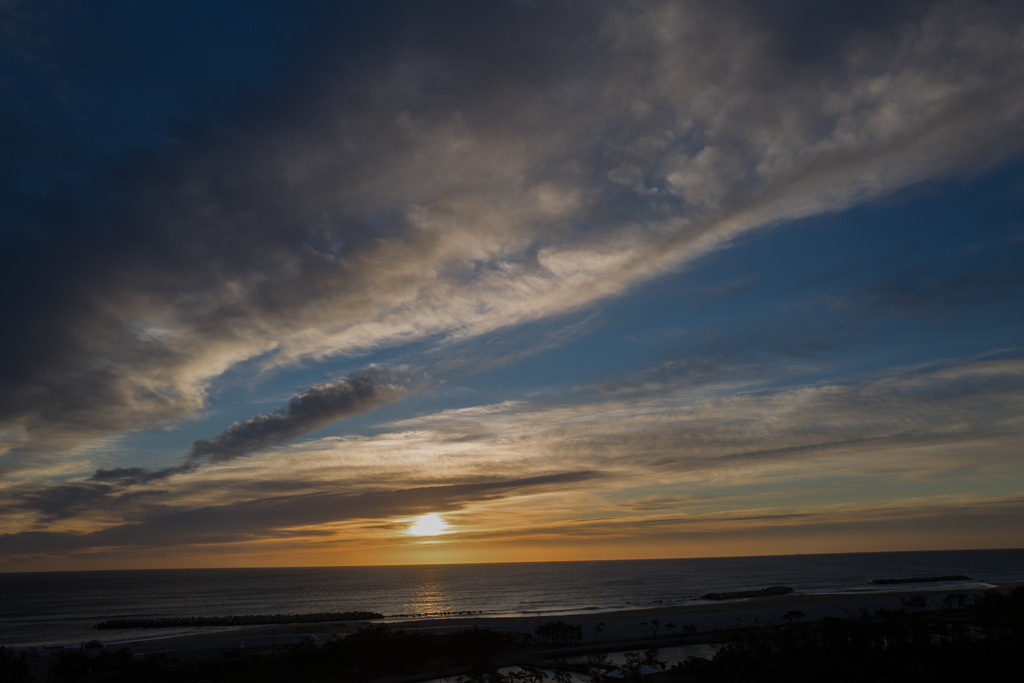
(327, 283)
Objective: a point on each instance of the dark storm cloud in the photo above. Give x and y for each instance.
(418, 171)
(252, 519)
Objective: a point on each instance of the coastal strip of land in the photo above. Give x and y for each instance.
(601, 628)
(957, 634)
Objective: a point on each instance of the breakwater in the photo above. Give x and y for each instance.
(920, 579)
(244, 620)
(458, 613)
(759, 593)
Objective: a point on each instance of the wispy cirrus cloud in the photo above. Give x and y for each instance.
(675, 429)
(462, 189)
(603, 465)
(249, 520)
(452, 187)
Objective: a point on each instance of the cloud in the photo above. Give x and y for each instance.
(317, 407)
(362, 391)
(65, 500)
(258, 518)
(922, 524)
(964, 413)
(472, 171)
(675, 458)
(132, 475)
(497, 349)
(930, 422)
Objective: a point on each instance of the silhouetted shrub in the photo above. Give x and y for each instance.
(14, 666)
(559, 632)
(983, 642)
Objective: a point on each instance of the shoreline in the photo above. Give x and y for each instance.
(624, 624)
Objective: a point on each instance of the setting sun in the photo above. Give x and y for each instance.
(428, 525)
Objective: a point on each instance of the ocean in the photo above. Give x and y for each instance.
(61, 607)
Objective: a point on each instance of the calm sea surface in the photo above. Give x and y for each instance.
(60, 607)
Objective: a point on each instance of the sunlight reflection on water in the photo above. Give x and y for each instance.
(57, 607)
(430, 599)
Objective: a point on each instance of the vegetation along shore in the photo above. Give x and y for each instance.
(970, 637)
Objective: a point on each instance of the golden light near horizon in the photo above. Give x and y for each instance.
(430, 524)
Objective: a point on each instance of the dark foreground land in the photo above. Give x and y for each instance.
(977, 638)
(973, 637)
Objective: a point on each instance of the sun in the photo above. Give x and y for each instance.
(428, 525)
